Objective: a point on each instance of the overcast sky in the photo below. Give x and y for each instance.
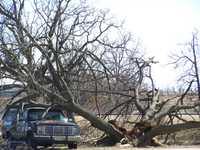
(160, 25)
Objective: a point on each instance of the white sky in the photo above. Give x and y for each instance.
(160, 25)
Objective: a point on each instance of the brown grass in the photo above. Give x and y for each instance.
(188, 137)
(147, 148)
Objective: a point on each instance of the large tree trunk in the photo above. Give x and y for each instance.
(146, 139)
(96, 122)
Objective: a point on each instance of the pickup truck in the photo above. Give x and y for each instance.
(39, 125)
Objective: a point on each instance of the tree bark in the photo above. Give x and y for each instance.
(166, 129)
(196, 64)
(96, 122)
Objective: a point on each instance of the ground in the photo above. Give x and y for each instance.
(147, 148)
(181, 148)
(126, 147)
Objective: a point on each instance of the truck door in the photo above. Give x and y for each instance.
(21, 125)
(9, 121)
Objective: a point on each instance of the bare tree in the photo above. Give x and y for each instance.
(52, 50)
(60, 49)
(188, 60)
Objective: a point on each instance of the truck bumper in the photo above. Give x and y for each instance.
(55, 139)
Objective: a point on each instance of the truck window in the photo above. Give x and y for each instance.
(55, 115)
(11, 115)
(35, 114)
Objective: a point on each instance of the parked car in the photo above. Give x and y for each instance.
(39, 125)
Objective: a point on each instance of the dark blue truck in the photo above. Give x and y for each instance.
(39, 125)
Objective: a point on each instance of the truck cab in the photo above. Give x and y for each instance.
(39, 125)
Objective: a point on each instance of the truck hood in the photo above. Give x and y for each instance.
(55, 122)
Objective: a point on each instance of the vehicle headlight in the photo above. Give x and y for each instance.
(75, 130)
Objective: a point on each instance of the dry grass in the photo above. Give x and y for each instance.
(186, 137)
(148, 148)
(126, 148)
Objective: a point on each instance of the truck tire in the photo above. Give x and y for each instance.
(30, 143)
(72, 145)
(10, 144)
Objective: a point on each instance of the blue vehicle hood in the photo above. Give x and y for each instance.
(56, 122)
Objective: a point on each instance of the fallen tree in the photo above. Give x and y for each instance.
(60, 52)
(166, 129)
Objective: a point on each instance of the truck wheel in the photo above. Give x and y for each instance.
(72, 145)
(10, 144)
(30, 144)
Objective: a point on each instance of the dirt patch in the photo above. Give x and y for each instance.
(147, 148)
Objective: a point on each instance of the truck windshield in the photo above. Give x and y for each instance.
(55, 115)
(35, 114)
